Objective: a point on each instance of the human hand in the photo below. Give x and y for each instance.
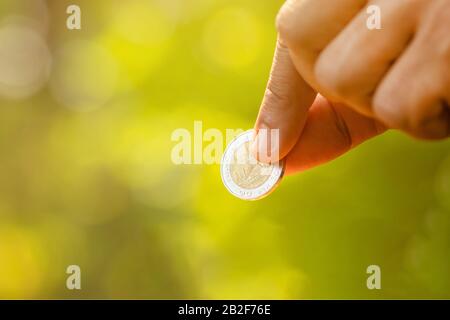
(398, 76)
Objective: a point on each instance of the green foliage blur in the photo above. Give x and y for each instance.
(86, 177)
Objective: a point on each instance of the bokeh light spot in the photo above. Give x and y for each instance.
(138, 35)
(34, 13)
(85, 75)
(24, 61)
(232, 38)
(140, 22)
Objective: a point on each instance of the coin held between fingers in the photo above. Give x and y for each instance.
(243, 175)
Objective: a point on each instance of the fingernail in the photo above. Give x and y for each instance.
(262, 146)
(254, 146)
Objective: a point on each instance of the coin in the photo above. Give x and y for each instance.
(243, 175)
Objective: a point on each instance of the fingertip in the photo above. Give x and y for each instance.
(265, 146)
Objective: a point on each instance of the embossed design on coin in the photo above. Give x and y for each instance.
(246, 172)
(243, 175)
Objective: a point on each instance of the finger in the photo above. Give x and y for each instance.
(330, 131)
(415, 93)
(308, 26)
(352, 65)
(284, 107)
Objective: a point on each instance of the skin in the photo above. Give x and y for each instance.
(335, 83)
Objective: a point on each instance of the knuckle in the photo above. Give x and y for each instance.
(422, 121)
(284, 22)
(388, 110)
(333, 76)
(431, 123)
(290, 25)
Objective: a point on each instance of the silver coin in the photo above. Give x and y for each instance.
(243, 175)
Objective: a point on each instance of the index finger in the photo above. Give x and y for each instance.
(285, 107)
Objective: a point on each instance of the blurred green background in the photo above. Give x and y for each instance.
(86, 176)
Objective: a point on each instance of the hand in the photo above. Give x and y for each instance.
(396, 77)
